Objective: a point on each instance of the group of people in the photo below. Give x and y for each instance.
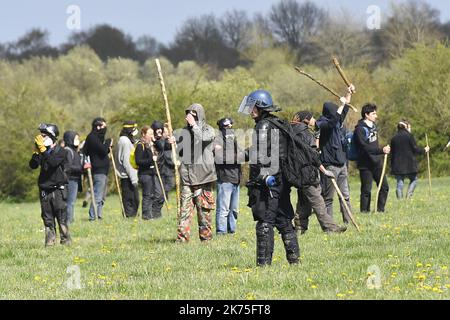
(209, 159)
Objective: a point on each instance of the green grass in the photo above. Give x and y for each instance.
(133, 259)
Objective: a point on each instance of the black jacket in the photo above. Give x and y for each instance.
(97, 149)
(369, 151)
(228, 166)
(165, 163)
(332, 141)
(74, 167)
(144, 159)
(404, 150)
(52, 163)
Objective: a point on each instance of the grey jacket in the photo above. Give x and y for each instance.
(122, 157)
(195, 147)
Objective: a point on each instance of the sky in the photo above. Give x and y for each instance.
(158, 18)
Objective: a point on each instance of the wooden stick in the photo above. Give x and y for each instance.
(117, 181)
(169, 127)
(345, 205)
(429, 166)
(159, 178)
(383, 172)
(91, 186)
(323, 86)
(341, 72)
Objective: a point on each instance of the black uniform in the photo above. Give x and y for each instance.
(271, 206)
(53, 191)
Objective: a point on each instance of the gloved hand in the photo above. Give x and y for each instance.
(329, 174)
(135, 185)
(108, 142)
(39, 142)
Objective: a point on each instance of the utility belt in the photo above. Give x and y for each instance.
(46, 192)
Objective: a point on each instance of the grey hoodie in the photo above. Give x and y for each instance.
(122, 157)
(195, 145)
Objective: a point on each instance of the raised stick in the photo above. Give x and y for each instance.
(341, 72)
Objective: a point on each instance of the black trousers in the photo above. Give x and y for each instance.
(130, 197)
(152, 196)
(367, 176)
(54, 206)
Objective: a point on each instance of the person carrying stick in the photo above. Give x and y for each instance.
(370, 160)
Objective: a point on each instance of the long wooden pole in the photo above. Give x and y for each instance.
(345, 205)
(155, 161)
(341, 72)
(383, 172)
(429, 166)
(117, 181)
(91, 186)
(169, 127)
(323, 86)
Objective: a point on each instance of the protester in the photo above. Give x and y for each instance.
(152, 196)
(269, 193)
(97, 149)
(127, 174)
(333, 152)
(52, 182)
(404, 150)
(198, 174)
(74, 170)
(310, 194)
(163, 150)
(229, 173)
(370, 162)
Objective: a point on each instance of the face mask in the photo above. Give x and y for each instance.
(102, 131)
(135, 132)
(48, 142)
(76, 142)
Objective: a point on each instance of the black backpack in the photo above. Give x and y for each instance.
(300, 165)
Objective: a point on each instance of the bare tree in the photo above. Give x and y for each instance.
(235, 26)
(294, 23)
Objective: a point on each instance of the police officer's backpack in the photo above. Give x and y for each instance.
(352, 146)
(299, 165)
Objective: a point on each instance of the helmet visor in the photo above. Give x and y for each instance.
(247, 105)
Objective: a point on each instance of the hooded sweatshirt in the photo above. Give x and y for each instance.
(332, 141)
(369, 151)
(122, 157)
(74, 167)
(195, 147)
(97, 149)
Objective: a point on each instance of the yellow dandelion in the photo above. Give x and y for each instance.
(314, 286)
(419, 265)
(113, 264)
(340, 295)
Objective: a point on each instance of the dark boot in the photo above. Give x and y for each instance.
(64, 235)
(50, 236)
(291, 247)
(264, 244)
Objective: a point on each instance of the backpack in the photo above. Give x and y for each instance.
(299, 165)
(352, 147)
(133, 156)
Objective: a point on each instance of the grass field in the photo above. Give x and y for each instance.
(133, 259)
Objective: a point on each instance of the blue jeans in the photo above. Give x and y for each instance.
(400, 183)
(72, 192)
(227, 207)
(99, 190)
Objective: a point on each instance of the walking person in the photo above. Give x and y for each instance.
(229, 173)
(74, 170)
(97, 148)
(152, 195)
(127, 174)
(404, 150)
(370, 161)
(52, 182)
(310, 194)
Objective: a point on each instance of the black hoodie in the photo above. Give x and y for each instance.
(369, 152)
(74, 167)
(97, 148)
(52, 163)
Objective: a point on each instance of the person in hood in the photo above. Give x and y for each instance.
(163, 150)
(197, 172)
(74, 171)
(129, 183)
(228, 167)
(404, 150)
(97, 149)
(52, 182)
(333, 154)
(370, 158)
(310, 195)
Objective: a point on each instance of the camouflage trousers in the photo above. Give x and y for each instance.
(196, 198)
